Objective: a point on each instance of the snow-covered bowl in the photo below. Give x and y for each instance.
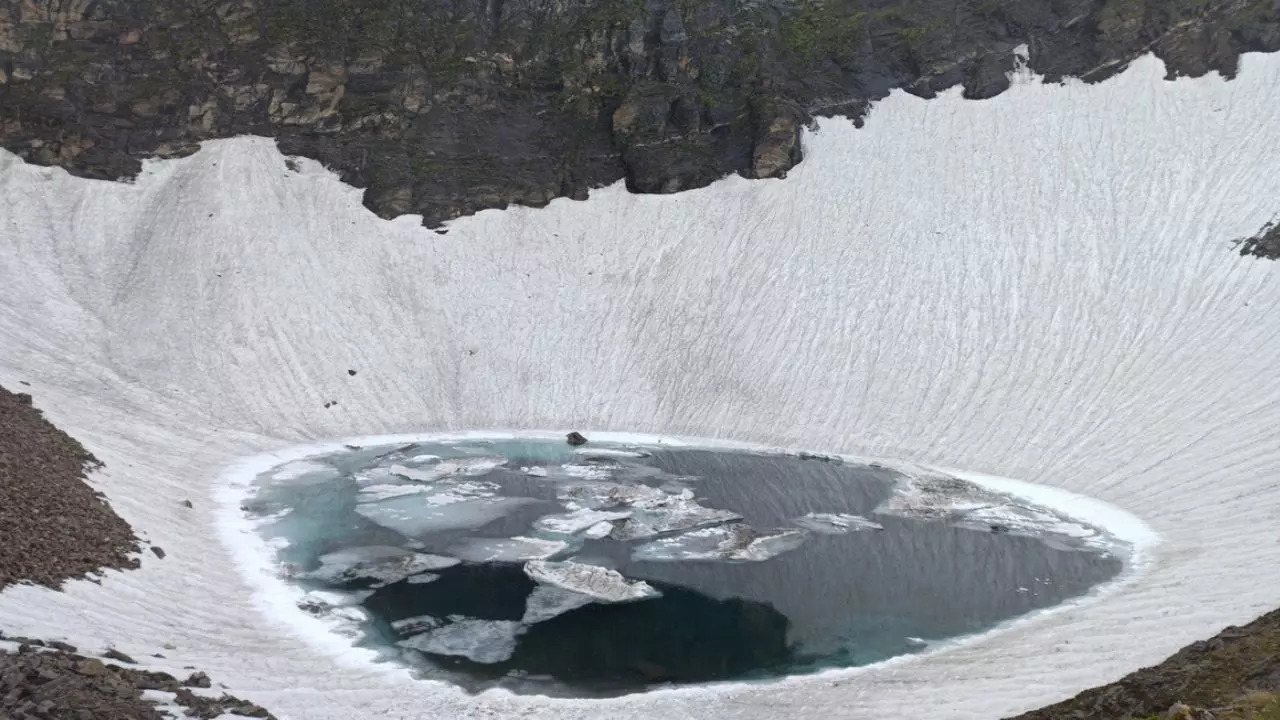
(1041, 286)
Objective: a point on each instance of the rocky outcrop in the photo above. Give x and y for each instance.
(56, 527)
(1234, 675)
(445, 108)
(1265, 244)
(43, 681)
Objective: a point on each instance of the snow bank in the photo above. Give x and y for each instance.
(1037, 286)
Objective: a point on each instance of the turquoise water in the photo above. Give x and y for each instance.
(725, 564)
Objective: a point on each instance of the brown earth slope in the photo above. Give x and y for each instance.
(55, 526)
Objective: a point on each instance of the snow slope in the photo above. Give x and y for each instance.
(1036, 286)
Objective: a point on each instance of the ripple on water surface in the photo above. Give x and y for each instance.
(607, 569)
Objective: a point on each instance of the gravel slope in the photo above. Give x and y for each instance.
(56, 526)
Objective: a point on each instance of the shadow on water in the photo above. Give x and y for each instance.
(682, 637)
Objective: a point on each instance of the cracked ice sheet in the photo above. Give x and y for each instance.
(482, 641)
(419, 514)
(967, 504)
(598, 583)
(974, 297)
(382, 564)
(653, 511)
(726, 543)
(577, 521)
(516, 549)
(448, 468)
(835, 523)
(546, 602)
(308, 472)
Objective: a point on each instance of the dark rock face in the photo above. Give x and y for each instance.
(1223, 673)
(37, 685)
(1265, 244)
(444, 108)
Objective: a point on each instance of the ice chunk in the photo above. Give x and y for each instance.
(306, 471)
(482, 641)
(1058, 532)
(835, 523)
(578, 520)
(936, 497)
(590, 472)
(598, 531)
(516, 549)
(379, 564)
(413, 515)
(596, 495)
(609, 453)
(728, 543)
(654, 511)
(374, 493)
(534, 471)
(448, 468)
(769, 545)
(676, 513)
(319, 602)
(600, 584)
(422, 578)
(419, 474)
(967, 505)
(546, 602)
(416, 624)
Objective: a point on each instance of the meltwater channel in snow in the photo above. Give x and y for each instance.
(534, 566)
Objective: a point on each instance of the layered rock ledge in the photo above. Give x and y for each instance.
(444, 109)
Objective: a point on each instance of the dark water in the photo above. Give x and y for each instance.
(835, 600)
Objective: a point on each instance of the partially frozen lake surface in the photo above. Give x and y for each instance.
(612, 568)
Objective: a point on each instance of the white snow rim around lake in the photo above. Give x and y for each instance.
(1038, 286)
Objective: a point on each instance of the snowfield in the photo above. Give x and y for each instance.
(1039, 286)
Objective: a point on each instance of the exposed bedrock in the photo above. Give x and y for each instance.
(445, 108)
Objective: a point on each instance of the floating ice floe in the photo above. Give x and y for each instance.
(319, 602)
(590, 472)
(725, 543)
(578, 520)
(374, 493)
(378, 564)
(609, 453)
(967, 505)
(835, 523)
(653, 510)
(1055, 530)
(598, 531)
(534, 471)
(422, 578)
(548, 601)
(440, 492)
(305, 472)
(598, 583)
(416, 624)
(448, 468)
(516, 549)
(673, 513)
(482, 641)
(597, 495)
(414, 515)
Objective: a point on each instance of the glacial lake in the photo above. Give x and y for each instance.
(608, 568)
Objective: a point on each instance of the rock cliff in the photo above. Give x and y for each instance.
(444, 107)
